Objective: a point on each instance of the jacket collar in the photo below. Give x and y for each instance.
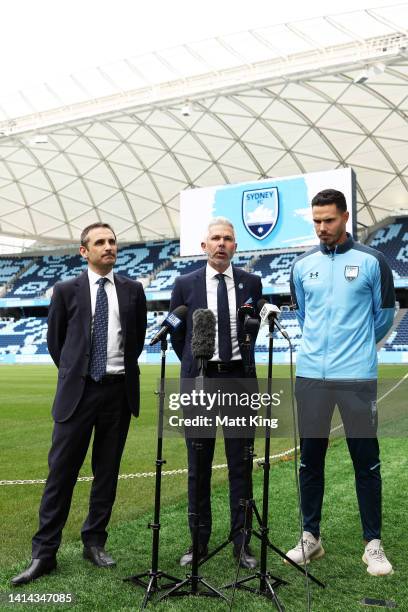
(339, 248)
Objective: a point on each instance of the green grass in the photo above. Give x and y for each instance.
(25, 398)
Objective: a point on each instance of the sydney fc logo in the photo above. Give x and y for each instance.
(260, 210)
(351, 272)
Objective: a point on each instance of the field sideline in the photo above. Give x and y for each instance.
(26, 393)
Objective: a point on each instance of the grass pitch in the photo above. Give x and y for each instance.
(26, 394)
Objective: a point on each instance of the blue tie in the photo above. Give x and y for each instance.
(223, 317)
(99, 350)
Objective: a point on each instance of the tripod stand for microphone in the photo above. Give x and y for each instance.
(150, 578)
(193, 580)
(267, 582)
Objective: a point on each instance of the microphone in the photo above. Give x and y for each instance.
(170, 323)
(247, 315)
(269, 314)
(203, 339)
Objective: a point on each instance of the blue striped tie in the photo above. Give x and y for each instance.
(99, 350)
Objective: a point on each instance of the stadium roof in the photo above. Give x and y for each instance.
(120, 142)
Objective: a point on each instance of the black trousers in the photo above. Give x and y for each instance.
(239, 472)
(103, 410)
(316, 400)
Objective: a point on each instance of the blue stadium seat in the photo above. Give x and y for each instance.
(28, 336)
(398, 339)
(392, 240)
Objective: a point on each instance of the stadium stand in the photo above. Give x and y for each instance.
(398, 339)
(34, 278)
(275, 269)
(27, 336)
(289, 322)
(11, 268)
(159, 264)
(392, 240)
(165, 279)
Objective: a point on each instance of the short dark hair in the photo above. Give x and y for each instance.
(85, 232)
(330, 196)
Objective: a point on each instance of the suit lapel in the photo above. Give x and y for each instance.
(200, 289)
(240, 289)
(123, 300)
(83, 296)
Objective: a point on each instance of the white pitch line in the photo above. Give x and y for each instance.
(221, 466)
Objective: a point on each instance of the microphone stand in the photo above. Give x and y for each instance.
(154, 575)
(193, 580)
(248, 453)
(267, 582)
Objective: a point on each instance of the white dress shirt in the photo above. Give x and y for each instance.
(115, 356)
(212, 285)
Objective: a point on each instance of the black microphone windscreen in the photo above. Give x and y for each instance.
(261, 303)
(246, 310)
(203, 340)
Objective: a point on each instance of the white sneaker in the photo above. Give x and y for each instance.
(377, 562)
(313, 549)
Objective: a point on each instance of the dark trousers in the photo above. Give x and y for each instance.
(239, 473)
(316, 400)
(103, 409)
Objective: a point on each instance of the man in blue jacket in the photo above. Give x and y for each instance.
(344, 299)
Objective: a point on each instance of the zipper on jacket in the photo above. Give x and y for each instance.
(330, 302)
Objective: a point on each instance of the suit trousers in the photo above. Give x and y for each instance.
(240, 478)
(103, 409)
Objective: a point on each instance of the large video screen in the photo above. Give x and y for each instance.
(268, 214)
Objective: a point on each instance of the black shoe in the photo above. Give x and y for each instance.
(187, 558)
(246, 557)
(98, 556)
(36, 569)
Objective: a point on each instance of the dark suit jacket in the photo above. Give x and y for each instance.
(191, 290)
(69, 339)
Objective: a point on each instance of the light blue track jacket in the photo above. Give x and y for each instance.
(345, 301)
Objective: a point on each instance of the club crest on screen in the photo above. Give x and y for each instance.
(260, 211)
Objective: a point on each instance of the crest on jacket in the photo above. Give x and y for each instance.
(260, 211)
(351, 272)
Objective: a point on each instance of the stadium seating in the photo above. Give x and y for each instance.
(11, 266)
(134, 261)
(392, 240)
(165, 279)
(274, 269)
(289, 322)
(27, 336)
(398, 339)
(154, 321)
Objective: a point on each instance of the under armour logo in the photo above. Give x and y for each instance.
(313, 274)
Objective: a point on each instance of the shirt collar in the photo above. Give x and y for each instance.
(94, 277)
(339, 248)
(212, 272)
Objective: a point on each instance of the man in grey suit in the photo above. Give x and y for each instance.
(96, 331)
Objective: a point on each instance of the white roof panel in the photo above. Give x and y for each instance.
(120, 141)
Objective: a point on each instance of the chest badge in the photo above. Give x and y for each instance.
(351, 272)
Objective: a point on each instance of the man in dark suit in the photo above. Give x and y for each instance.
(96, 332)
(222, 288)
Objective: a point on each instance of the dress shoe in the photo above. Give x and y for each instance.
(246, 557)
(36, 569)
(98, 556)
(187, 558)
